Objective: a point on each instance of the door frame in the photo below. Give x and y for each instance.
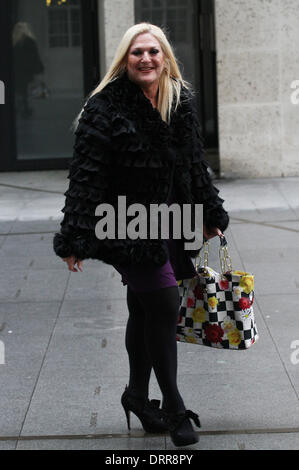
(91, 77)
(206, 43)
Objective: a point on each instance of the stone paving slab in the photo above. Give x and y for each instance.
(93, 284)
(8, 445)
(6, 226)
(113, 443)
(54, 180)
(38, 285)
(9, 212)
(272, 257)
(36, 226)
(11, 283)
(85, 382)
(65, 374)
(27, 328)
(275, 441)
(28, 245)
(272, 279)
(244, 400)
(248, 236)
(281, 317)
(84, 404)
(256, 441)
(32, 263)
(257, 188)
(263, 215)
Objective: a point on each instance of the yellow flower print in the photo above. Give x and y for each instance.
(208, 273)
(199, 315)
(228, 325)
(191, 339)
(212, 302)
(179, 282)
(240, 273)
(234, 337)
(247, 283)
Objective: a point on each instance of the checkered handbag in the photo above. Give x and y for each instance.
(216, 308)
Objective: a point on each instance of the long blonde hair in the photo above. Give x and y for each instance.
(171, 80)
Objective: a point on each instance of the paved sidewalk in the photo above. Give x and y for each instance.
(65, 360)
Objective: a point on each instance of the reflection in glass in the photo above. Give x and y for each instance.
(27, 64)
(48, 76)
(194, 49)
(176, 18)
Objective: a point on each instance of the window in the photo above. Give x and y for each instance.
(173, 13)
(64, 23)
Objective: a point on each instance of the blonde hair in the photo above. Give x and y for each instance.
(171, 80)
(21, 30)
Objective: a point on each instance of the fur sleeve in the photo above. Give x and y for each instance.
(89, 176)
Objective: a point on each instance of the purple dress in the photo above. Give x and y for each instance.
(179, 266)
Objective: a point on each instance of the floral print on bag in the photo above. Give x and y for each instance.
(247, 283)
(214, 333)
(234, 337)
(213, 301)
(199, 315)
(222, 313)
(228, 324)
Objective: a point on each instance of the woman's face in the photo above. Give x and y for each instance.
(145, 60)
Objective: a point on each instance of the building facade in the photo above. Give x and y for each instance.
(257, 45)
(240, 57)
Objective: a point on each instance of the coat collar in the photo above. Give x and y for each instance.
(139, 126)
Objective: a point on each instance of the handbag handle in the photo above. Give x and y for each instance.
(224, 258)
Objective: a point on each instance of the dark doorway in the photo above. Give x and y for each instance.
(50, 63)
(191, 30)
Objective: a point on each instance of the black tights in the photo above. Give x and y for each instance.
(151, 343)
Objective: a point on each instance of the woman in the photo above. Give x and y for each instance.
(139, 136)
(27, 62)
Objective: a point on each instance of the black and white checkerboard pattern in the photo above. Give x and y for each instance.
(191, 327)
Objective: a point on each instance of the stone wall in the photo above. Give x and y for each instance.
(257, 60)
(115, 17)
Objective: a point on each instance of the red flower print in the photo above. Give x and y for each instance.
(198, 292)
(214, 333)
(190, 302)
(180, 319)
(244, 303)
(224, 284)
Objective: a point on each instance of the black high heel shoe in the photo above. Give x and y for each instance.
(148, 411)
(180, 428)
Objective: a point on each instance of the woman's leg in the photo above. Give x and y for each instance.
(161, 309)
(139, 360)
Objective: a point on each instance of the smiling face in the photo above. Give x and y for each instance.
(145, 60)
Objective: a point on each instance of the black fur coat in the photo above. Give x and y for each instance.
(123, 147)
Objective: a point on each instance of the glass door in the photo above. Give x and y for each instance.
(189, 25)
(48, 78)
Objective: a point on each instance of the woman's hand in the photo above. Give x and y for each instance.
(214, 232)
(71, 261)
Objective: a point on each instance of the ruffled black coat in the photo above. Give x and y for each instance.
(123, 147)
